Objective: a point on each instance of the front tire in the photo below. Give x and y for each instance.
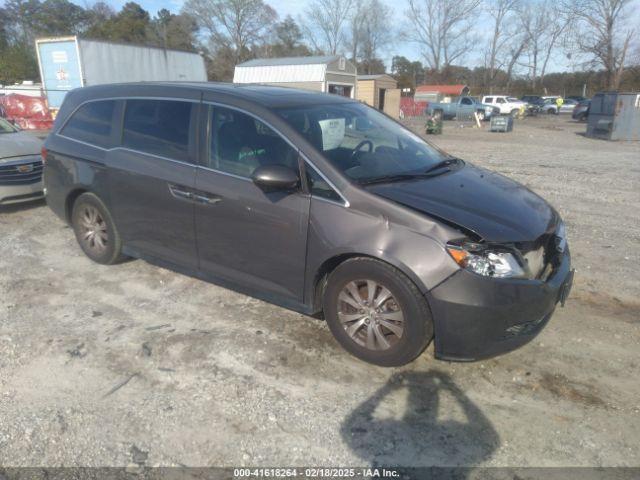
(95, 230)
(376, 313)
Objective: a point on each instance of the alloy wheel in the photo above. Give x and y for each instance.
(370, 314)
(93, 228)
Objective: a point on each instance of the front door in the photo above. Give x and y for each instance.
(151, 179)
(253, 238)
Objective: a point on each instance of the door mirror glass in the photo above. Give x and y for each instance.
(275, 177)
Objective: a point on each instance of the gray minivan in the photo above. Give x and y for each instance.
(313, 202)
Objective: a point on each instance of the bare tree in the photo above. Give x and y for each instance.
(324, 24)
(506, 43)
(371, 33)
(441, 28)
(358, 17)
(543, 23)
(600, 33)
(233, 25)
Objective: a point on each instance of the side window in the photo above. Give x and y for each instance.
(239, 144)
(488, 100)
(500, 100)
(467, 101)
(92, 123)
(160, 127)
(319, 187)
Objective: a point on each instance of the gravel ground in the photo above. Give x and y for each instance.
(136, 365)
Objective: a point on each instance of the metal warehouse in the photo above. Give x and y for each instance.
(332, 74)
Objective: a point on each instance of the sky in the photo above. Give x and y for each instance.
(284, 8)
(398, 7)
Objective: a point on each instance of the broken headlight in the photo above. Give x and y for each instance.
(486, 261)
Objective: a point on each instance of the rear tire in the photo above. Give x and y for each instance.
(376, 312)
(514, 113)
(95, 230)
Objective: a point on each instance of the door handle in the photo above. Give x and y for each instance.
(179, 193)
(208, 200)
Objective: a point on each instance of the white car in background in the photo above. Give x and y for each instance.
(507, 105)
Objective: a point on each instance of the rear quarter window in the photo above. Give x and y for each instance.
(92, 123)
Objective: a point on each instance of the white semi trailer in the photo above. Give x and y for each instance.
(71, 62)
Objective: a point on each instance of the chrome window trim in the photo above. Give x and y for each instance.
(241, 110)
(127, 149)
(280, 134)
(105, 99)
(232, 175)
(346, 203)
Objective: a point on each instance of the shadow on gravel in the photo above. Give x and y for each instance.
(420, 419)
(19, 207)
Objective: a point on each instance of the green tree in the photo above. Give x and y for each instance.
(131, 25)
(173, 31)
(288, 40)
(56, 18)
(17, 63)
(408, 74)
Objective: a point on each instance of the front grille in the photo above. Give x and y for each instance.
(527, 328)
(21, 172)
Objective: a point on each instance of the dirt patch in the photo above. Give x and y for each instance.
(576, 392)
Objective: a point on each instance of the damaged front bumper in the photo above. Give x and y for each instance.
(477, 317)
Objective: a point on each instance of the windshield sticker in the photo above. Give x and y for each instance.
(332, 133)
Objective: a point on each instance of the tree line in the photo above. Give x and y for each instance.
(513, 43)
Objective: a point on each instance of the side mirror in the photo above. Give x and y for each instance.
(275, 177)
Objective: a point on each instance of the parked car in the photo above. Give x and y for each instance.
(534, 103)
(568, 106)
(581, 111)
(20, 165)
(317, 203)
(531, 99)
(550, 106)
(461, 107)
(506, 105)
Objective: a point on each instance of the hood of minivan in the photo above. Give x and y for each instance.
(18, 144)
(492, 206)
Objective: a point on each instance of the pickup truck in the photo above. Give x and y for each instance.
(507, 105)
(461, 107)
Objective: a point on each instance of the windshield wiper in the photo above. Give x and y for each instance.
(446, 163)
(390, 178)
(432, 171)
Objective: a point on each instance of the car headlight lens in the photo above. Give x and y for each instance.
(486, 261)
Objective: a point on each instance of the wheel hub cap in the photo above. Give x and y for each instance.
(93, 229)
(370, 314)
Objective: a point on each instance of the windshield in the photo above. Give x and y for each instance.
(362, 142)
(6, 127)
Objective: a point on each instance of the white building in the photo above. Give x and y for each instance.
(332, 74)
